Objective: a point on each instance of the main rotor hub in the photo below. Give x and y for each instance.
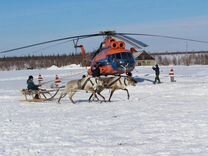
(108, 33)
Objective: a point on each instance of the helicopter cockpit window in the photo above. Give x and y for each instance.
(124, 55)
(118, 56)
(110, 57)
(113, 56)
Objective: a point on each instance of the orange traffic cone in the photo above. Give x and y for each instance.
(57, 81)
(171, 74)
(40, 79)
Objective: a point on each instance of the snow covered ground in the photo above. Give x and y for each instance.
(160, 120)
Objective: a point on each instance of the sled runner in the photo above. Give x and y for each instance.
(39, 95)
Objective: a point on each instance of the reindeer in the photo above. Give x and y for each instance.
(115, 83)
(86, 83)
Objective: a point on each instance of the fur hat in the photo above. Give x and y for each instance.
(30, 77)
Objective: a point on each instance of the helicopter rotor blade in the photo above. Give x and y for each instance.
(50, 41)
(122, 36)
(164, 36)
(131, 40)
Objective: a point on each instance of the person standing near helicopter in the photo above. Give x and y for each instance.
(157, 73)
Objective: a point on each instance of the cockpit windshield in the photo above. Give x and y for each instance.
(125, 56)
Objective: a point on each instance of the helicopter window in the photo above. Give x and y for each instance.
(103, 62)
(117, 56)
(126, 55)
(113, 56)
(110, 57)
(130, 56)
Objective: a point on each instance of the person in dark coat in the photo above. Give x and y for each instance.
(32, 86)
(95, 70)
(157, 73)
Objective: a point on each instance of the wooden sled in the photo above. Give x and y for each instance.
(39, 95)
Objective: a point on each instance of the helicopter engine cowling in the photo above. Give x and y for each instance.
(117, 45)
(114, 45)
(121, 44)
(108, 42)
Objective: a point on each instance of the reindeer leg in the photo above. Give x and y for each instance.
(93, 93)
(90, 97)
(127, 93)
(97, 97)
(70, 97)
(61, 96)
(71, 100)
(112, 91)
(102, 97)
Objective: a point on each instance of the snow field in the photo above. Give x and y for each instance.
(162, 119)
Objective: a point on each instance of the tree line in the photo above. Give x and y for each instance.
(196, 58)
(35, 62)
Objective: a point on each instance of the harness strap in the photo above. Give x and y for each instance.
(125, 81)
(85, 83)
(120, 82)
(83, 86)
(114, 81)
(91, 82)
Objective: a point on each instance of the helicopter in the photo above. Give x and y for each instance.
(112, 56)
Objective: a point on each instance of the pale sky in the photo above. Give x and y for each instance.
(25, 22)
